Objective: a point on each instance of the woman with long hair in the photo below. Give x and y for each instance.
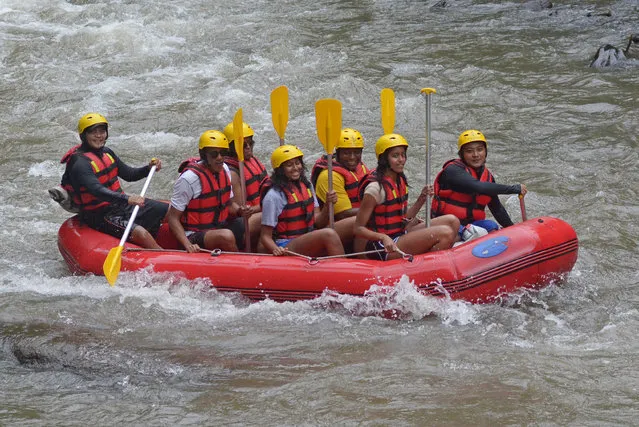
(384, 219)
(291, 217)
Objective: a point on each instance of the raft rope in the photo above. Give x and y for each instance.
(407, 257)
(311, 260)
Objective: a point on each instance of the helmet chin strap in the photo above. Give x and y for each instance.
(203, 158)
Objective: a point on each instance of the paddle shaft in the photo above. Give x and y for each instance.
(428, 92)
(522, 205)
(129, 225)
(428, 158)
(331, 219)
(238, 140)
(247, 234)
(328, 118)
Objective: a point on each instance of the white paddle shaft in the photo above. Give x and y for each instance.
(127, 230)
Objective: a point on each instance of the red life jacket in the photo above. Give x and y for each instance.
(254, 173)
(351, 178)
(298, 216)
(388, 216)
(210, 209)
(105, 169)
(187, 162)
(465, 206)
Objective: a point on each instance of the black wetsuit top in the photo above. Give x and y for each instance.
(457, 179)
(79, 173)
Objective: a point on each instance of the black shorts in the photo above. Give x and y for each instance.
(114, 219)
(236, 226)
(376, 245)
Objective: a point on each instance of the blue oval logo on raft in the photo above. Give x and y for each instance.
(492, 247)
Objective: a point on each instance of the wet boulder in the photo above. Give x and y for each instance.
(537, 5)
(595, 13)
(609, 55)
(440, 5)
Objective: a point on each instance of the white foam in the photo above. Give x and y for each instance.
(151, 140)
(198, 300)
(48, 168)
(402, 301)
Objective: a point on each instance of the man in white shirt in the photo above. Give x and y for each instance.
(202, 212)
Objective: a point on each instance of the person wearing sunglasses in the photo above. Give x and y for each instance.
(254, 174)
(202, 214)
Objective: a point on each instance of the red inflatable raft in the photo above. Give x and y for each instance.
(531, 254)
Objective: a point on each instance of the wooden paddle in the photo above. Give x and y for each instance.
(428, 91)
(388, 110)
(328, 119)
(522, 205)
(279, 110)
(238, 138)
(113, 261)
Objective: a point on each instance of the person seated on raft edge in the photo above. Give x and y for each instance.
(291, 213)
(383, 218)
(202, 213)
(254, 174)
(465, 186)
(348, 171)
(91, 180)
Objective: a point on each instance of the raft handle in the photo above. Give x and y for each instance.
(407, 257)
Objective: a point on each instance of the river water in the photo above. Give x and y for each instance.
(157, 350)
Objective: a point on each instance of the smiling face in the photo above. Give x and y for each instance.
(474, 154)
(292, 168)
(396, 158)
(247, 148)
(96, 136)
(349, 157)
(214, 158)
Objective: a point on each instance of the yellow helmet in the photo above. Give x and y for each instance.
(284, 153)
(246, 131)
(387, 141)
(469, 136)
(350, 138)
(214, 139)
(91, 119)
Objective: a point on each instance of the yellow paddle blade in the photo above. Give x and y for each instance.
(112, 264)
(328, 118)
(238, 134)
(388, 110)
(279, 109)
